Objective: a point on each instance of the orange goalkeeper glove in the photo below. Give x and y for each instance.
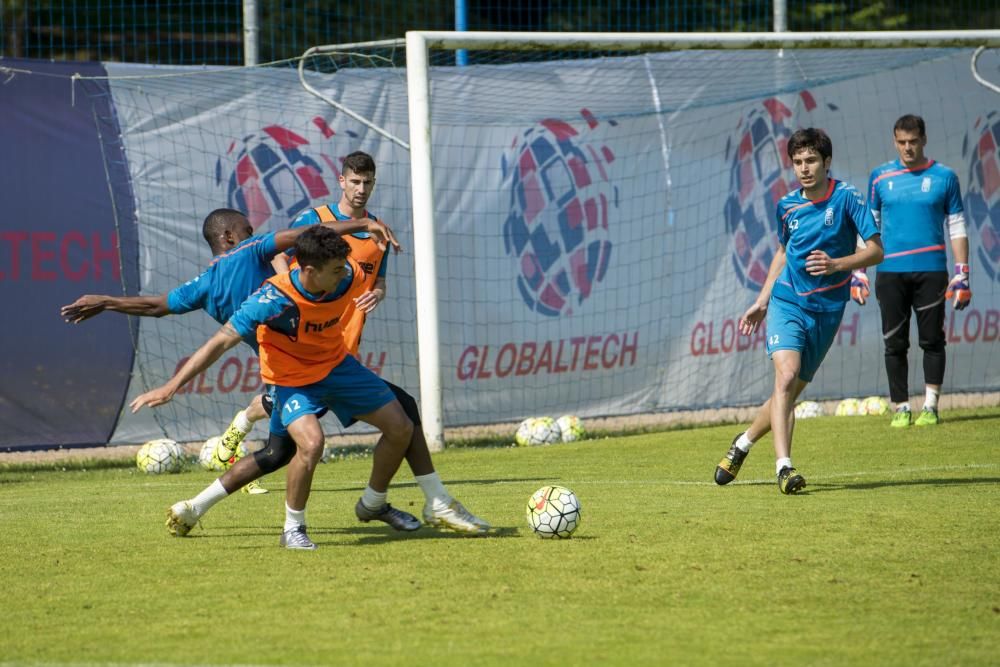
(859, 286)
(959, 287)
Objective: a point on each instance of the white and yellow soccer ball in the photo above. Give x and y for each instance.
(808, 410)
(849, 407)
(537, 431)
(157, 457)
(875, 405)
(553, 511)
(206, 457)
(571, 428)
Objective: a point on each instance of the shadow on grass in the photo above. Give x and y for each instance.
(448, 482)
(821, 487)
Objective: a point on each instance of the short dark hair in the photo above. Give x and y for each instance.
(360, 163)
(911, 123)
(318, 245)
(219, 221)
(810, 137)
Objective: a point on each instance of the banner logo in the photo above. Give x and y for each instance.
(557, 227)
(277, 172)
(982, 197)
(760, 174)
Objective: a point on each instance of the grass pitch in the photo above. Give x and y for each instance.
(890, 557)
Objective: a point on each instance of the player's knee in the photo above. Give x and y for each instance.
(276, 454)
(896, 348)
(399, 429)
(933, 346)
(785, 379)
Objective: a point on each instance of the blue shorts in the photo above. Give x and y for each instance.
(349, 390)
(810, 332)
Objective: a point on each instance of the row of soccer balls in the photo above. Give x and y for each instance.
(164, 455)
(552, 511)
(849, 407)
(546, 431)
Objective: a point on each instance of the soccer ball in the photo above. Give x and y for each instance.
(160, 456)
(808, 409)
(875, 405)
(206, 457)
(537, 431)
(849, 407)
(571, 428)
(553, 511)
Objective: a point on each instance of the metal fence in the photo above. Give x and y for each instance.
(213, 31)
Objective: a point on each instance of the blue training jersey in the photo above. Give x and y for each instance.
(311, 217)
(831, 224)
(913, 207)
(228, 281)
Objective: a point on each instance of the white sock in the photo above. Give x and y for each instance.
(212, 494)
(434, 492)
(744, 442)
(241, 422)
(903, 406)
(931, 399)
(294, 518)
(373, 499)
(782, 463)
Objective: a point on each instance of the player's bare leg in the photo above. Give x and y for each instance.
(397, 433)
(309, 442)
(787, 364)
(227, 452)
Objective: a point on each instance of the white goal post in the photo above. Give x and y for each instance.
(418, 44)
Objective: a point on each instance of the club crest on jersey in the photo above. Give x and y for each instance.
(828, 217)
(925, 185)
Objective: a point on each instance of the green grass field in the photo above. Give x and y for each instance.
(891, 557)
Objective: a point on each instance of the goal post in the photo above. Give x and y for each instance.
(422, 159)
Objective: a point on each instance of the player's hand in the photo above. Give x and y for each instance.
(83, 308)
(751, 319)
(367, 302)
(383, 235)
(959, 287)
(818, 263)
(860, 288)
(152, 399)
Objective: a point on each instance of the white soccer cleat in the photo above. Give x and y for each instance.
(455, 517)
(297, 539)
(181, 518)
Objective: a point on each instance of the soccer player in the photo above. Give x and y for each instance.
(357, 182)
(297, 319)
(915, 198)
(803, 297)
(242, 262)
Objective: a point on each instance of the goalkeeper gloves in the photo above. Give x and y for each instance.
(859, 286)
(959, 287)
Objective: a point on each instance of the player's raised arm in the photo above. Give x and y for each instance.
(89, 305)
(224, 339)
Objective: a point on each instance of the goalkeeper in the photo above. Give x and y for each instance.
(914, 199)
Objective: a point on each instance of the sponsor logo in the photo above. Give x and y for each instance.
(981, 148)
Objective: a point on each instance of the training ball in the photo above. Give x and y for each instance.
(571, 428)
(808, 410)
(875, 406)
(553, 511)
(537, 431)
(849, 407)
(160, 456)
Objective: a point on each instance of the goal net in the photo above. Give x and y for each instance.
(581, 230)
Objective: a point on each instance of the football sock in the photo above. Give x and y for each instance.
(212, 494)
(434, 491)
(782, 463)
(903, 406)
(744, 442)
(931, 399)
(373, 499)
(294, 518)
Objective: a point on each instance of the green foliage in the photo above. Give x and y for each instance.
(889, 558)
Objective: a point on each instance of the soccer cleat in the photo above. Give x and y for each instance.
(729, 466)
(181, 518)
(790, 481)
(454, 517)
(227, 451)
(254, 488)
(928, 417)
(296, 538)
(398, 519)
(902, 419)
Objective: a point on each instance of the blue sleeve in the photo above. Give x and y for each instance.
(860, 214)
(266, 248)
(782, 227)
(309, 217)
(189, 296)
(383, 264)
(953, 202)
(262, 305)
(874, 203)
